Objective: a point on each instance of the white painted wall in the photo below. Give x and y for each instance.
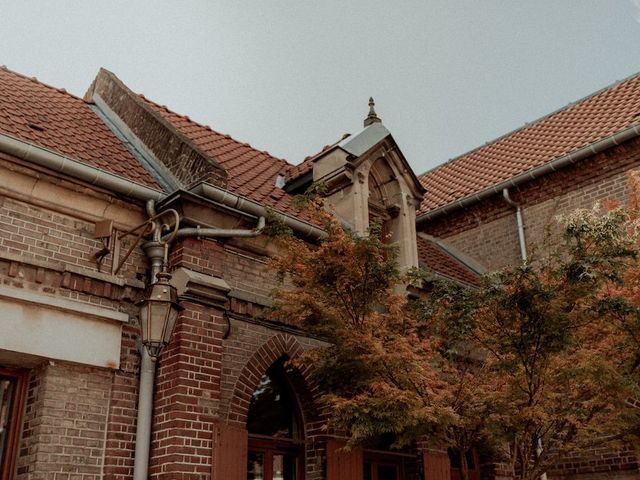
(59, 329)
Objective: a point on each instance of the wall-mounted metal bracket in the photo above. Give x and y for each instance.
(111, 240)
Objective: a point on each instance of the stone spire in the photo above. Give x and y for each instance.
(372, 117)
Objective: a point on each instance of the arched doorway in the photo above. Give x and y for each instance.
(276, 447)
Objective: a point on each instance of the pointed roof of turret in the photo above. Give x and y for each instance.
(372, 117)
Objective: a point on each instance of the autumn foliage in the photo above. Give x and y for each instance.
(542, 359)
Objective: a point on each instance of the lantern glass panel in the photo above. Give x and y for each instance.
(159, 313)
(144, 321)
(170, 324)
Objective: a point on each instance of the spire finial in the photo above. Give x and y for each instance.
(372, 117)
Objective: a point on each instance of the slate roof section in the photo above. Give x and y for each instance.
(251, 173)
(578, 125)
(52, 118)
(439, 261)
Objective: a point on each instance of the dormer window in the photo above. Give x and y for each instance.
(368, 179)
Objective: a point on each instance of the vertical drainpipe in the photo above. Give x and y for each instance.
(520, 224)
(145, 410)
(154, 251)
(523, 255)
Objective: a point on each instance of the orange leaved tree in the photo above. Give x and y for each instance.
(522, 364)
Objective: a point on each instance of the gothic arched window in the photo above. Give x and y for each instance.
(273, 422)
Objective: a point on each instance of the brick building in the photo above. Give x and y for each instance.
(80, 179)
(499, 202)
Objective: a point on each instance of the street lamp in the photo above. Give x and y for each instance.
(158, 312)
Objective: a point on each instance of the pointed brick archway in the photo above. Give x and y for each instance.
(230, 437)
(279, 346)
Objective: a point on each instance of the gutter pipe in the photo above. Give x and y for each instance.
(580, 154)
(68, 166)
(519, 223)
(254, 208)
(218, 232)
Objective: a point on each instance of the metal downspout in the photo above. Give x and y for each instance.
(220, 232)
(145, 413)
(154, 250)
(519, 223)
(254, 208)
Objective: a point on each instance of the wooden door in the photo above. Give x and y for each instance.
(230, 450)
(342, 464)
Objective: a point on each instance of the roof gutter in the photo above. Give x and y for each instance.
(573, 157)
(78, 170)
(254, 208)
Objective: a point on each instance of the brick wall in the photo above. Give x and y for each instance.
(65, 419)
(247, 272)
(48, 236)
(598, 462)
(75, 411)
(121, 427)
(74, 415)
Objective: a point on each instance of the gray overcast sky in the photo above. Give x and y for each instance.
(290, 76)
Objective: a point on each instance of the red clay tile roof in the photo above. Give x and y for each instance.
(600, 115)
(251, 173)
(54, 119)
(436, 259)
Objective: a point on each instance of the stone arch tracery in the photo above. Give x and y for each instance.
(385, 196)
(391, 202)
